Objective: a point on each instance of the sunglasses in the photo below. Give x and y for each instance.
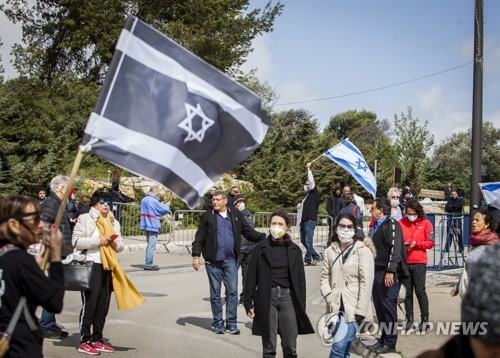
(394, 197)
(346, 226)
(37, 217)
(102, 202)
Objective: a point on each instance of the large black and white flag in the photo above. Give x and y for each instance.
(167, 115)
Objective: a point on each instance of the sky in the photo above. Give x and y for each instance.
(333, 48)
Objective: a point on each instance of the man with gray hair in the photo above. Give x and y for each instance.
(151, 212)
(50, 207)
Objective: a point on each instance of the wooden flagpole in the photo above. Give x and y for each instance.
(316, 159)
(64, 201)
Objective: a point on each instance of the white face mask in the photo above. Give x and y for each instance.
(345, 235)
(241, 206)
(277, 232)
(394, 203)
(412, 218)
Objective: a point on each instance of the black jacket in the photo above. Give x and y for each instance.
(247, 246)
(257, 290)
(205, 240)
(21, 276)
(49, 212)
(333, 205)
(454, 205)
(390, 248)
(311, 205)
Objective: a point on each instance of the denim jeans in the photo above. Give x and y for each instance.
(306, 238)
(282, 320)
(223, 272)
(341, 345)
(151, 237)
(47, 320)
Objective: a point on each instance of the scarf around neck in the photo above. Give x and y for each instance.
(105, 226)
(485, 237)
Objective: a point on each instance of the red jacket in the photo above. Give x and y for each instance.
(420, 232)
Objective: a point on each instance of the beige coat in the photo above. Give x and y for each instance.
(86, 235)
(352, 281)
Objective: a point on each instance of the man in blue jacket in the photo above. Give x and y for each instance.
(151, 212)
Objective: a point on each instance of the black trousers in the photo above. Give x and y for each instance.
(95, 305)
(385, 302)
(416, 281)
(282, 321)
(243, 262)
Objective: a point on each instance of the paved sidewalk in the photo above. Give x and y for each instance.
(175, 319)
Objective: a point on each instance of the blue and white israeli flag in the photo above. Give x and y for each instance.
(491, 193)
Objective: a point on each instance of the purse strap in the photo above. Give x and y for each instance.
(341, 252)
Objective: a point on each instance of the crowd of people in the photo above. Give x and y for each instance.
(361, 273)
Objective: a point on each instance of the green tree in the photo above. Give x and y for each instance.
(452, 158)
(41, 126)
(277, 168)
(65, 36)
(412, 143)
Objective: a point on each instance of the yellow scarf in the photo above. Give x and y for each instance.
(126, 294)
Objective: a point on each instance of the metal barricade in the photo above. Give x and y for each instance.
(129, 217)
(184, 225)
(450, 240)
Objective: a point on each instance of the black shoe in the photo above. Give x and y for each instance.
(407, 325)
(55, 333)
(424, 326)
(375, 346)
(152, 268)
(384, 349)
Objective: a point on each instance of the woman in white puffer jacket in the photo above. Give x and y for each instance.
(346, 281)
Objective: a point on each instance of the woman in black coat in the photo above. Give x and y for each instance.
(275, 290)
(23, 276)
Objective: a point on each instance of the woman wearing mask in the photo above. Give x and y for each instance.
(275, 290)
(396, 208)
(346, 281)
(417, 231)
(94, 231)
(22, 275)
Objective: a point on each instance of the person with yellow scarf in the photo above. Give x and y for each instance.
(97, 236)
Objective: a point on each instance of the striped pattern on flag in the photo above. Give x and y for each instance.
(348, 156)
(167, 115)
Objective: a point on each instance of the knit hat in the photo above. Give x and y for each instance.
(72, 191)
(482, 299)
(238, 198)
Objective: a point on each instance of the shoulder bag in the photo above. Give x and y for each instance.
(77, 275)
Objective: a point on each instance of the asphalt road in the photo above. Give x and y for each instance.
(175, 320)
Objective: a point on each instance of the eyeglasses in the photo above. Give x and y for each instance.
(394, 197)
(102, 202)
(346, 226)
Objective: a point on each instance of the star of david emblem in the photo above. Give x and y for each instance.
(362, 165)
(187, 123)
